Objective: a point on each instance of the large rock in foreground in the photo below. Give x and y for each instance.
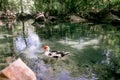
(17, 70)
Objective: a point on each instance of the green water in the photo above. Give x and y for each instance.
(86, 43)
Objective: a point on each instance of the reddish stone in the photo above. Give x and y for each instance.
(17, 70)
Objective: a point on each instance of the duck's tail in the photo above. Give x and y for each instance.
(66, 53)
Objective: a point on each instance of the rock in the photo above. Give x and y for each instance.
(17, 70)
(112, 17)
(39, 17)
(77, 19)
(1, 23)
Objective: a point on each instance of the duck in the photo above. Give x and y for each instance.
(54, 54)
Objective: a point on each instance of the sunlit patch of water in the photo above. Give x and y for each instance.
(80, 44)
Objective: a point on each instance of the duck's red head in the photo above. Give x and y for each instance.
(46, 47)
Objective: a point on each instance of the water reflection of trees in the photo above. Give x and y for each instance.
(106, 34)
(73, 31)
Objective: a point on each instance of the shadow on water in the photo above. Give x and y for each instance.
(88, 45)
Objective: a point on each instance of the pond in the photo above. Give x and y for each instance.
(89, 45)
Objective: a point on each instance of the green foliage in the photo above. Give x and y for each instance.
(115, 4)
(64, 7)
(37, 4)
(3, 4)
(75, 6)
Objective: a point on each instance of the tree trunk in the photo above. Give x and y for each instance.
(21, 5)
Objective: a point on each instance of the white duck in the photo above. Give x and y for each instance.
(54, 54)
